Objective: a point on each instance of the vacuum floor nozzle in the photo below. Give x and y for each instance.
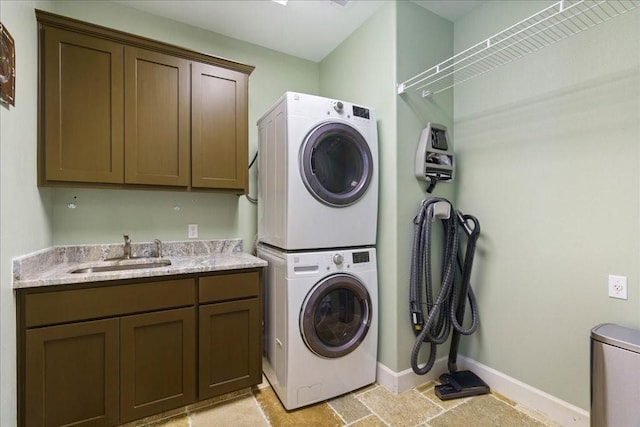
(460, 384)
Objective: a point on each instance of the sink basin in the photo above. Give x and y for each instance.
(121, 267)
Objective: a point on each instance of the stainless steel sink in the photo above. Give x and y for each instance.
(121, 267)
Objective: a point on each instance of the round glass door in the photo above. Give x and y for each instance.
(336, 316)
(336, 164)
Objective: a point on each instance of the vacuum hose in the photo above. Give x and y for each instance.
(434, 326)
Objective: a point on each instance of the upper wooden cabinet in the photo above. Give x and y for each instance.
(218, 126)
(157, 112)
(82, 93)
(118, 109)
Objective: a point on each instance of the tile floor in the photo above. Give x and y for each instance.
(370, 406)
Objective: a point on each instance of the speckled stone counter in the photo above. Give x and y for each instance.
(53, 266)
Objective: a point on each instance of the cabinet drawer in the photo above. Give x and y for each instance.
(226, 287)
(80, 304)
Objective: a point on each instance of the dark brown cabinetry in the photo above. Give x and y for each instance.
(82, 84)
(121, 109)
(157, 362)
(105, 354)
(230, 330)
(72, 374)
(157, 112)
(218, 126)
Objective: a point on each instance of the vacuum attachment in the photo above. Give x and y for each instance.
(460, 384)
(435, 161)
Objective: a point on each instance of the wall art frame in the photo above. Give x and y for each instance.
(7, 67)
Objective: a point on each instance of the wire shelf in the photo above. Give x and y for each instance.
(552, 24)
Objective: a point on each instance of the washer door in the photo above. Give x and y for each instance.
(336, 164)
(336, 316)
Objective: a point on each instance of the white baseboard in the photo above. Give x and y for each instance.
(398, 382)
(527, 396)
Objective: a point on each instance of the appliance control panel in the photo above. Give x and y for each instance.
(361, 112)
(327, 262)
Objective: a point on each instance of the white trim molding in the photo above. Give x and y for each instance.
(398, 382)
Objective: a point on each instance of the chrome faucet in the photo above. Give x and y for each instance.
(127, 246)
(158, 243)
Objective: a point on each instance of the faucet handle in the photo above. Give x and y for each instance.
(158, 243)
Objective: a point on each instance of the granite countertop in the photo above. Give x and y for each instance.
(53, 266)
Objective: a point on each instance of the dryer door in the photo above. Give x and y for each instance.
(336, 164)
(336, 316)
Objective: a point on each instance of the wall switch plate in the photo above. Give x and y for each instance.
(193, 231)
(617, 287)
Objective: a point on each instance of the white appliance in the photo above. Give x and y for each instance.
(318, 174)
(321, 322)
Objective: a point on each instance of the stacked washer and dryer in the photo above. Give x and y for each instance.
(317, 223)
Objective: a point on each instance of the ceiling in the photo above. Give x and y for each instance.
(308, 29)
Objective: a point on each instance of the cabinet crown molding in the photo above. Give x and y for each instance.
(63, 22)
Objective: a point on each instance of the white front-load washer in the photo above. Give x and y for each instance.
(320, 322)
(318, 174)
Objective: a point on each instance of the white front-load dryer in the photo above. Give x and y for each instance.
(320, 322)
(318, 174)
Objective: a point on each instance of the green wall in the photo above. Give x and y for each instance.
(549, 162)
(424, 39)
(25, 211)
(361, 70)
(104, 215)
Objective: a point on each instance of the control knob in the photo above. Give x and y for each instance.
(338, 259)
(338, 106)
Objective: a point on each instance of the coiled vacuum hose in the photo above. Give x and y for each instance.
(441, 314)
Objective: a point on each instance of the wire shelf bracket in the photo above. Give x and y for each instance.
(559, 21)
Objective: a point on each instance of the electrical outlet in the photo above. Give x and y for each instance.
(617, 287)
(193, 231)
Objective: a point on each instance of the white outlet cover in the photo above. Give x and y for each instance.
(193, 231)
(617, 287)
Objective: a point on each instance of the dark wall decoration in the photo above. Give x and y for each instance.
(7, 67)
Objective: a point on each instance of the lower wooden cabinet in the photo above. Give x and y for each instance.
(230, 356)
(230, 333)
(72, 374)
(157, 360)
(111, 354)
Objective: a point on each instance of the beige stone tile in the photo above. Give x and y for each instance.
(504, 399)
(484, 411)
(370, 421)
(320, 415)
(424, 387)
(349, 408)
(215, 400)
(543, 418)
(239, 412)
(172, 415)
(179, 421)
(445, 404)
(365, 389)
(405, 409)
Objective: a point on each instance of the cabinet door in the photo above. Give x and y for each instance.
(72, 375)
(230, 356)
(83, 135)
(219, 128)
(157, 361)
(157, 111)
